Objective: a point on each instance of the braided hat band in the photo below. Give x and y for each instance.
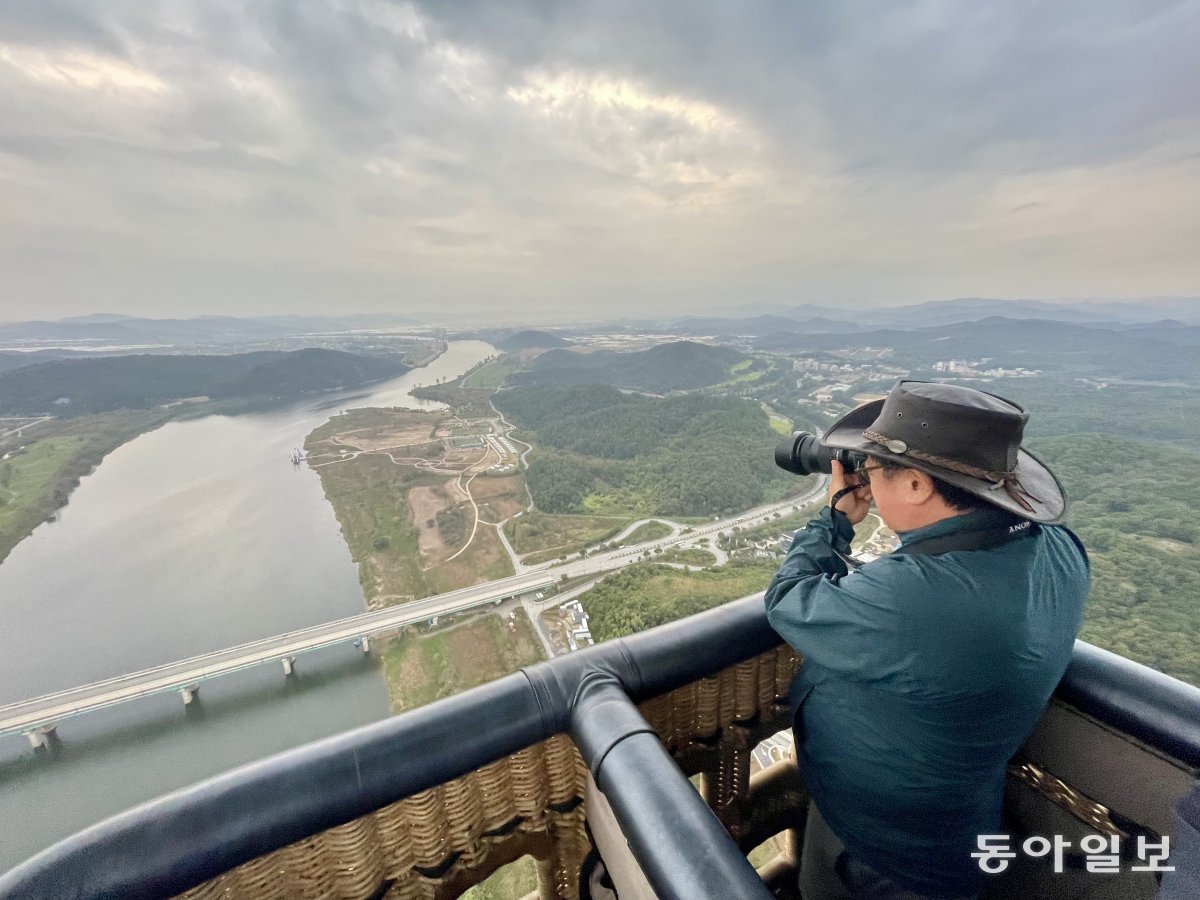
(966, 437)
(1006, 480)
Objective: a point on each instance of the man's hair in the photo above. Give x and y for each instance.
(955, 497)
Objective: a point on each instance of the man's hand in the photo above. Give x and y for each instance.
(854, 504)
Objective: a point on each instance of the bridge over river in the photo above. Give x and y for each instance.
(39, 716)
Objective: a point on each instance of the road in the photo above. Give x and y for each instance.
(41, 713)
(534, 609)
(627, 556)
(25, 423)
(602, 563)
(676, 528)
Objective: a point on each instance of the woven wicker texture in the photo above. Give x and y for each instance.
(437, 843)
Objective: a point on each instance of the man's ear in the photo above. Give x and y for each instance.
(918, 486)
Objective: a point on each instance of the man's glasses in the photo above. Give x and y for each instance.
(865, 473)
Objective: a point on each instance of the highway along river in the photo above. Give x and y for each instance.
(188, 539)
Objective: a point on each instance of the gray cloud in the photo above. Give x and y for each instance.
(226, 156)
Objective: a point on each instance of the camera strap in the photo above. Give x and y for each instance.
(965, 540)
(970, 540)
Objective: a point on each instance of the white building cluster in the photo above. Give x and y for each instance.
(812, 365)
(505, 450)
(501, 445)
(963, 367)
(578, 632)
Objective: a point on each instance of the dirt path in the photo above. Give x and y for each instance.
(522, 464)
(429, 447)
(466, 489)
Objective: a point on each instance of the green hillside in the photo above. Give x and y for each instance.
(647, 595)
(1134, 505)
(73, 387)
(678, 366)
(602, 451)
(308, 371)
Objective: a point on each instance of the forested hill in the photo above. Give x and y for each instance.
(598, 450)
(678, 366)
(530, 340)
(1134, 505)
(20, 359)
(72, 387)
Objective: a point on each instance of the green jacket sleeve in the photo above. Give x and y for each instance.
(846, 622)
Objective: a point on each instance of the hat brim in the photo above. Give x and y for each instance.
(1047, 497)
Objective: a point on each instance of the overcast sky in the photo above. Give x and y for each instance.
(617, 156)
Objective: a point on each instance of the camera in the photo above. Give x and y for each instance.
(804, 454)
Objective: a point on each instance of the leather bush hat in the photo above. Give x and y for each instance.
(962, 436)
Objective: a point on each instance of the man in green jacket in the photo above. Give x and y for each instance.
(925, 670)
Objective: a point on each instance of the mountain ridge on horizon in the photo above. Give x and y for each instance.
(129, 328)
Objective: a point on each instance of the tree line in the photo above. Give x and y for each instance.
(1134, 506)
(677, 366)
(601, 450)
(73, 387)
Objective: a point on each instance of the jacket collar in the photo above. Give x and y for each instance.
(976, 520)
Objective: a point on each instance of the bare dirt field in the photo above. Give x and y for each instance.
(389, 434)
(415, 511)
(484, 560)
(464, 459)
(499, 498)
(424, 503)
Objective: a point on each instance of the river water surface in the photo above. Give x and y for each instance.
(191, 538)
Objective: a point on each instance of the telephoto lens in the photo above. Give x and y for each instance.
(804, 454)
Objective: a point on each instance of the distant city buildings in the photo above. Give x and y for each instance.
(825, 394)
(821, 382)
(975, 369)
(827, 377)
(850, 371)
(813, 365)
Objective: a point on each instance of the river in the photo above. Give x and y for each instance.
(188, 539)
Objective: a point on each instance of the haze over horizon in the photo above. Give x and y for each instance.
(591, 160)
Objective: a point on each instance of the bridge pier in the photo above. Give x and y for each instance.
(28, 716)
(40, 736)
